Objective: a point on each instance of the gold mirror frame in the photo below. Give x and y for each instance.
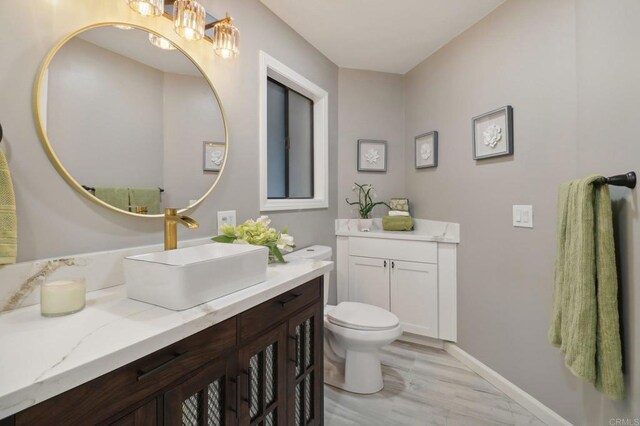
(57, 164)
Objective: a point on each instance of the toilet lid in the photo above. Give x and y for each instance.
(360, 316)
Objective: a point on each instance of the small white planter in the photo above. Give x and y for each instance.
(365, 225)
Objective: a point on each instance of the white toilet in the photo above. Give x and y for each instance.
(354, 332)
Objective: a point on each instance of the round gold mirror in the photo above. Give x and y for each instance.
(130, 120)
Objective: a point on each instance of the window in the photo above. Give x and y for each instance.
(293, 139)
(289, 143)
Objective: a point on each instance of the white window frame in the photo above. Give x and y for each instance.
(271, 67)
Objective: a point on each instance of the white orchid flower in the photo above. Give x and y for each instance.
(285, 243)
(264, 220)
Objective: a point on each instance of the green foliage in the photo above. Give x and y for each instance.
(365, 200)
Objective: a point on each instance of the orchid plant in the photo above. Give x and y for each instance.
(258, 232)
(365, 203)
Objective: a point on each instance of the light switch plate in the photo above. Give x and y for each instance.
(523, 216)
(227, 217)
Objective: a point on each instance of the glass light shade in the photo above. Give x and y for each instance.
(188, 19)
(226, 39)
(161, 42)
(147, 7)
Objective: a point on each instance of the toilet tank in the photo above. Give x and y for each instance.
(317, 253)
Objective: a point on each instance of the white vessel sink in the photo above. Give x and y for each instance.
(183, 278)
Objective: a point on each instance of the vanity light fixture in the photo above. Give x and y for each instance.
(226, 38)
(147, 7)
(161, 42)
(188, 19)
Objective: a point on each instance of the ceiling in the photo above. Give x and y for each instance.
(380, 35)
(134, 44)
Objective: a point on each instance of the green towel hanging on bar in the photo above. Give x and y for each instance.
(114, 196)
(146, 197)
(585, 321)
(8, 219)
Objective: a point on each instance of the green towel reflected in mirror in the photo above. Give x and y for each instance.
(131, 199)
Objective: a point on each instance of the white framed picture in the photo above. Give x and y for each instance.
(372, 155)
(426, 150)
(493, 133)
(213, 155)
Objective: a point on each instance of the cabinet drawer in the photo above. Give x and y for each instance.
(412, 251)
(108, 395)
(278, 309)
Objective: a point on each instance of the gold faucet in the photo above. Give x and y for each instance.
(171, 220)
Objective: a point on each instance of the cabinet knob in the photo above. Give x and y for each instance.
(393, 264)
(385, 263)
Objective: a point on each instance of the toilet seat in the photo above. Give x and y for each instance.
(361, 316)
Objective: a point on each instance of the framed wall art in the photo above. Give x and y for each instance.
(493, 133)
(426, 150)
(372, 155)
(213, 155)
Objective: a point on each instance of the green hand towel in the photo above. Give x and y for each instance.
(117, 197)
(146, 197)
(8, 219)
(585, 305)
(397, 223)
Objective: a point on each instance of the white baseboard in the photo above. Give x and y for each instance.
(536, 407)
(422, 340)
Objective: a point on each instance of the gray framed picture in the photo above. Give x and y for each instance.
(372, 155)
(493, 133)
(213, 156)
(426, 150)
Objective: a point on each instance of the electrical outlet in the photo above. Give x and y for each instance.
(227, 217)
(523, 216)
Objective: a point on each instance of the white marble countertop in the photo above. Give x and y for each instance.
(43, 357)
(424, 230)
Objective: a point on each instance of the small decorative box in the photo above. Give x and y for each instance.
(401, 204)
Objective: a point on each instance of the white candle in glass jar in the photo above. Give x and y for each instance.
(62, 297)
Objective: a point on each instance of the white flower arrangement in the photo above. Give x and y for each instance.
(258, 232)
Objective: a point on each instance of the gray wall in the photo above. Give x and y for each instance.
(191, 116)
(54, 220)
(572, 79)
(371, 107)
(608, 65)
(93, 117)
(114, 121)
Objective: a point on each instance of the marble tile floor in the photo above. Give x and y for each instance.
(425, 386)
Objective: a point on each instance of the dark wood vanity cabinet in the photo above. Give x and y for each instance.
(263, 367)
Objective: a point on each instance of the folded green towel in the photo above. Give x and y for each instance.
(397, 223)
(8, 219)
(117, 197)
(585, 302)
(146, 197)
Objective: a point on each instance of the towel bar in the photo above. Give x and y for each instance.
(628, 180)
(92, 189)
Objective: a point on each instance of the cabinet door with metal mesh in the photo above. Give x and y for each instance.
(201, 399)
(306, 367)
(262, 365)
